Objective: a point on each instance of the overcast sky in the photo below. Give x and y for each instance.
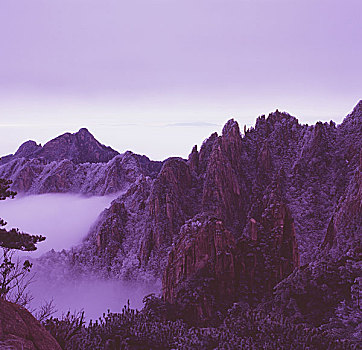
(157, 76)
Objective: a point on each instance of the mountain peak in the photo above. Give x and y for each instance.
(83, 135)
(279, 116)
(357, 110)
(231, 128)
(79, 147)
(353, 119)
(27, 149)
(83, 131)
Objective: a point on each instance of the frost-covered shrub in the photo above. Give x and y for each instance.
(150, 329)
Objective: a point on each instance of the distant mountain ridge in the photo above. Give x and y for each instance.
(80, 147)
(75, 163)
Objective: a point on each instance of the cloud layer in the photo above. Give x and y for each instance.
(64, 219)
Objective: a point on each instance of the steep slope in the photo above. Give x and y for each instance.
(20, 330)
(208, 268)
(343, 235)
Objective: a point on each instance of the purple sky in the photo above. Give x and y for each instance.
(157, 77)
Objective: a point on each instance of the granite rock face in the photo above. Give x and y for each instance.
(224, 188)
(19, 330)
(344, 230)
(171, 202)
(203, 242)
(230, 268)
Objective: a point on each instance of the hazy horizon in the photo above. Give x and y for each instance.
(155, 140)
(156, 77)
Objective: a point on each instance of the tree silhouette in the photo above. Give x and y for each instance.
(14, 278)
(13, 238)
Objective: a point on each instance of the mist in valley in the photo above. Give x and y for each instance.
(65, 219)
(93, 296)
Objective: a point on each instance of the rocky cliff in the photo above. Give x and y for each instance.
(344, 230)
(19, 330)
(209, 267)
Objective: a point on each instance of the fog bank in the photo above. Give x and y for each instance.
(94, 296)
(64, 219)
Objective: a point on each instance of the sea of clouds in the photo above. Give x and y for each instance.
(65, 219)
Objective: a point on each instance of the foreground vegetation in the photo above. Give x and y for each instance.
(150, 329)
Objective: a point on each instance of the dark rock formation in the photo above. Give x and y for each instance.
(205, 247)
(170, 203)
(224, 189)
(208, 255)
(344, 230)
(20, 330)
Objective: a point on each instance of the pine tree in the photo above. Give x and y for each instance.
(14, 272)
(14, 239)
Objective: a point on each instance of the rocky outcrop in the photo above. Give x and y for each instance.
(209, 269)
(27, 149)
(171, 203)
(193, 160)
(19, 330)
(204, 246)
(330, 236)
(224, 191)
(111, 229)
(205, 152)
(277, 172)
(343, 235)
